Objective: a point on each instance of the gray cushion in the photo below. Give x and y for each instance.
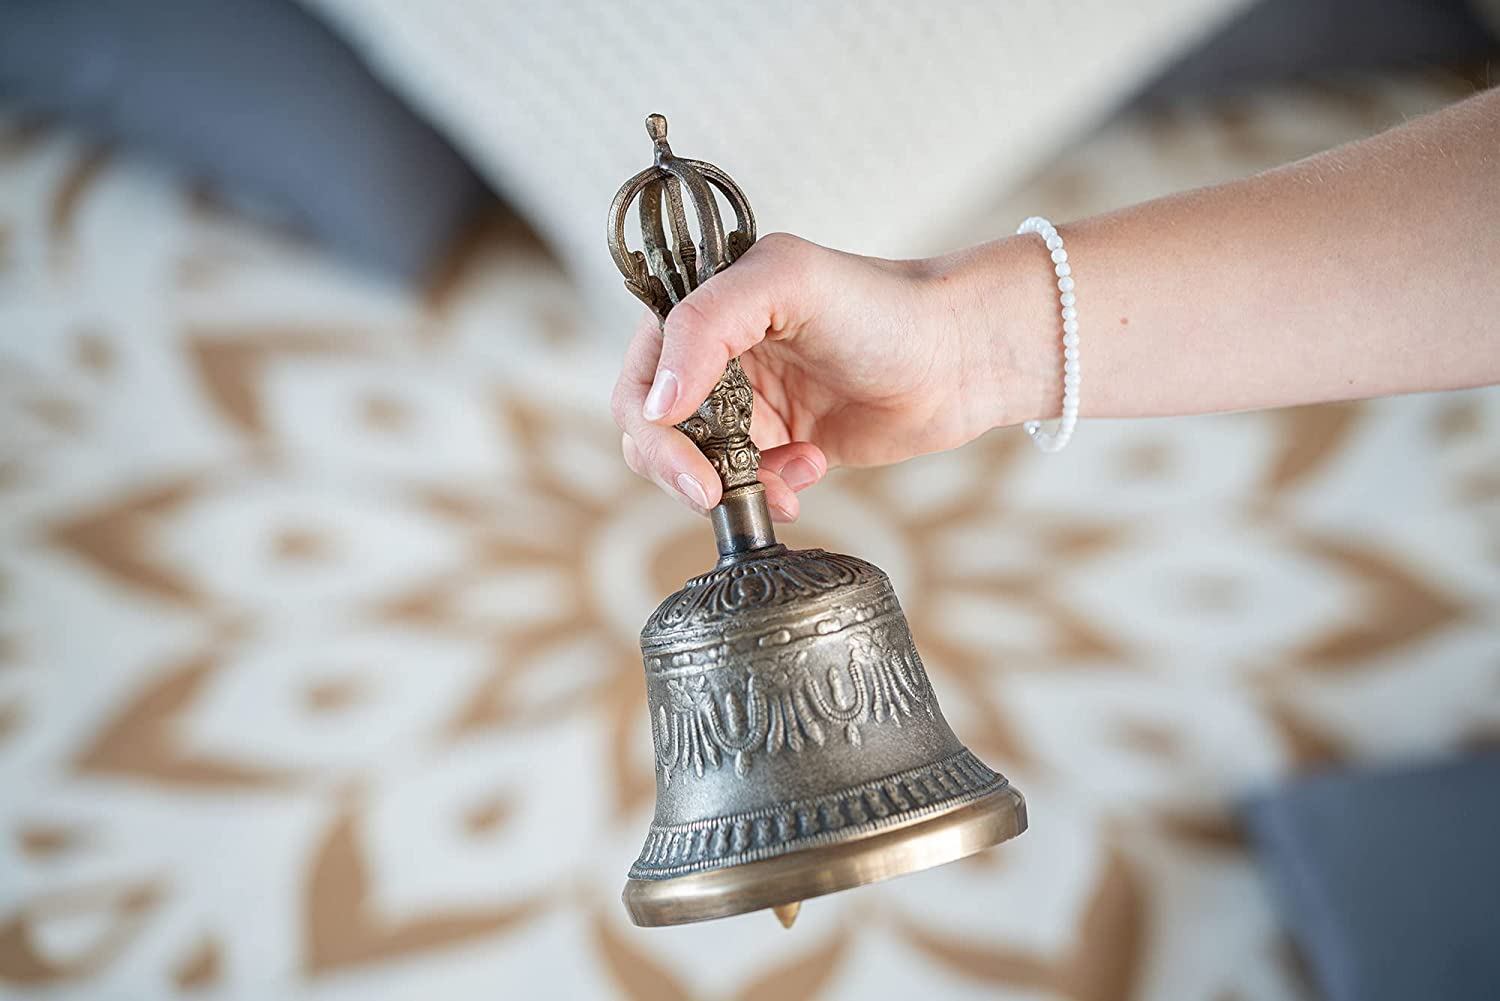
(1277, 40)
(1390, 880)
(257, 98)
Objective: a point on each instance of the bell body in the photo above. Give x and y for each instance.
(799, 745)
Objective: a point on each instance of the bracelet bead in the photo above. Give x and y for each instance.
(1054, 440)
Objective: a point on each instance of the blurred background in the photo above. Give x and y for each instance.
(320, 574)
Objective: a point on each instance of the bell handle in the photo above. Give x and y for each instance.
(669, 269)
(666, 272)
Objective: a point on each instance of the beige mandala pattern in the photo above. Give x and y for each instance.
(318, 603)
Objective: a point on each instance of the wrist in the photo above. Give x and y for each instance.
(1003, 295)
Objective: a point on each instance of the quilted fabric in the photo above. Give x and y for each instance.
(865, 126)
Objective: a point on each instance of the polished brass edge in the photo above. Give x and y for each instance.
(892, 822)
(818, 871)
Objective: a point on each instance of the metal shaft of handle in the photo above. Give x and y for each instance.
(668, 270)
(742, 521)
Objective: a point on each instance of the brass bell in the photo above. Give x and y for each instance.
(799, 745)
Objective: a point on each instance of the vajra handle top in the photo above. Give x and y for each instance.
(670, 268)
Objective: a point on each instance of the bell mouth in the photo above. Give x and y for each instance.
(814, 872)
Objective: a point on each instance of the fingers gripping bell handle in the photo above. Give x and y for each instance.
(671, 267)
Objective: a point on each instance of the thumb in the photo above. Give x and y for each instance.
(723, 318)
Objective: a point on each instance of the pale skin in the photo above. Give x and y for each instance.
(1368, 270)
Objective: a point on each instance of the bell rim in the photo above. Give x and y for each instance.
(935, 840)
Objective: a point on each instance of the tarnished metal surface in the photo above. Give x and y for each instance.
(800, 749)
(670, 268)
(782, 882)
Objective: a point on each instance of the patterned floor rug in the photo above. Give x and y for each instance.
(318, 605)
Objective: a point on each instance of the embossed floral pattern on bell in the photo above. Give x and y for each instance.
(787, 690)
(746, 593)
(782, 704)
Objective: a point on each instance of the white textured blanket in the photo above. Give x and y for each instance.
(866, 126)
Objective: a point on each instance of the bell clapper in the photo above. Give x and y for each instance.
(787, 913)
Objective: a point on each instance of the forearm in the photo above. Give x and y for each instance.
(1367, 270)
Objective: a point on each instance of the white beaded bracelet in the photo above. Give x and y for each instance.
(1053, 441)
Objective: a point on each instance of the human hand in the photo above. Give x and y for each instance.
(863, 361)
(854, 360)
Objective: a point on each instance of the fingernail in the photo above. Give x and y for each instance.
(663, 394)
(799, 473)
(785, 514)
(692, 489)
